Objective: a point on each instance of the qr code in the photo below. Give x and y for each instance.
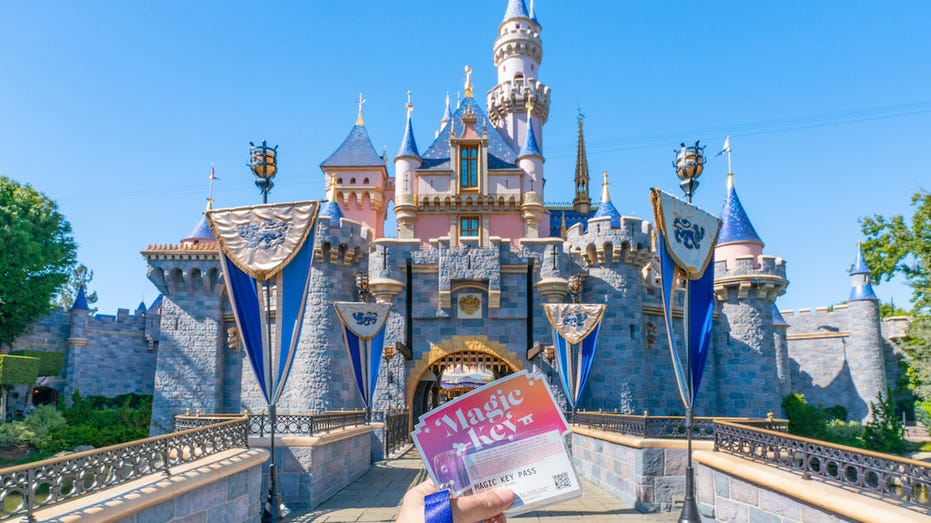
(562, 480)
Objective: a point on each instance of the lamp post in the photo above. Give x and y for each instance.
(362, 284)
(690, 161)
(264, 165)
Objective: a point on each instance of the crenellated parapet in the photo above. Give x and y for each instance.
(602, 244)
(762, 276)
(344, 246)
(518, 41)
(186, 269)
(511, 97)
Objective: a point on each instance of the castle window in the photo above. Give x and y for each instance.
(468, 226)
(352, 180)
(468, 167)
(339, 181)
(365, 181)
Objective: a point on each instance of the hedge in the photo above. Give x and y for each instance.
(50, 363)
(18, 370)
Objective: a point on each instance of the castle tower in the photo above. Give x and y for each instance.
(614, 249)
(191, 367)
(530, 159)
(865, 355)
(406, 162)
(781, 341)
(359, 178)
(518, 52)
(581, 203)
(447, 116)
(77, 337)
(746, 284)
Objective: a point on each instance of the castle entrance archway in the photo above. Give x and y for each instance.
(455, 366)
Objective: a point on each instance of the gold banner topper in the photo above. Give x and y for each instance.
(690, 233)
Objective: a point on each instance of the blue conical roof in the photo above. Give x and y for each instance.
(332, 211)
(80, 301)
(156, 304)
(735, 225)
(860, 266)
(141, 307)
(778, 320)
(516, 9)
(408, 143)
(355, 151)
(530, 147)
(606, 208)
(201, 231)
(500, 154)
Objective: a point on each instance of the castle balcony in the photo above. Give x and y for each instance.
(763, 276)
(511, 97)
(468, 202)
(518, 42)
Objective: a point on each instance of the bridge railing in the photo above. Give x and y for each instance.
(902, 480)
(672, 427)
(285, 424)
(397, 429)
(26, 488)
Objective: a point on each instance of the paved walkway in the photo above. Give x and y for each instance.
(376, 496)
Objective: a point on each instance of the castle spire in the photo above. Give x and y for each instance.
(80, 301)
(582, 203)
(447, 115)
(529, 147)
(735, 225)
(408, 143)
(468, 82)
(213, 177)
(606, 209)
(860, 287)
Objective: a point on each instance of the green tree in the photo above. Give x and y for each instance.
(80, 275)
(896, 246)
(37, 255)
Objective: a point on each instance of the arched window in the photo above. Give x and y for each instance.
(365, 181)
(352, 181)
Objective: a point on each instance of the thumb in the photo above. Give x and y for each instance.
(484, 505)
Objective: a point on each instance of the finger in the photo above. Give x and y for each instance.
(469, 509)
(420, 491)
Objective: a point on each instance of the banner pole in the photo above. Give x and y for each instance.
(273, 505)
(689, 512)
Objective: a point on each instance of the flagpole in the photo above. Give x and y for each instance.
(689, 512)
(273, 504)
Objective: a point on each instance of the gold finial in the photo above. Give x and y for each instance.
(604, 188)
(529, 106)
(410, 106)
(361, 102)
(730, 181)
(468, 82)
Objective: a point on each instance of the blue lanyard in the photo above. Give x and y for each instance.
(436, 508)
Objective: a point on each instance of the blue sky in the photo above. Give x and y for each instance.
(117, 109)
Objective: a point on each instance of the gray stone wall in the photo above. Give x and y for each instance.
(236, 498)
(651, 479)
(309, 475)
(725, 498)
(745, 360)
(116, 360)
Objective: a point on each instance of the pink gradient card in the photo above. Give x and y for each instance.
(514, 408)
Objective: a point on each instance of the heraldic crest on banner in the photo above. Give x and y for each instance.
(574, 321)
(261, 240)
(690, 234)
(364, 320)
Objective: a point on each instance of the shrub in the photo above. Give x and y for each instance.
(848, 433)
(884, 433)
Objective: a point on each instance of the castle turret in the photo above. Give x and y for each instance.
(582, 203)
(362, 186)
(447, 116)
(406, 162)
(614, 249)
(865, 354)
(518, 52)
(530, 159)
(746, 284)
(781, 341)
(191, 360)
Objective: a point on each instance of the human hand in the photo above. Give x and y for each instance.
(487, 506)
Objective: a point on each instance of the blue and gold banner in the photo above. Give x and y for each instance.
(364, 334)
(686, 236)
(265, 254)
(575, 333)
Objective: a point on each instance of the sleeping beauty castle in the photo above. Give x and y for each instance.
(476, 254)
